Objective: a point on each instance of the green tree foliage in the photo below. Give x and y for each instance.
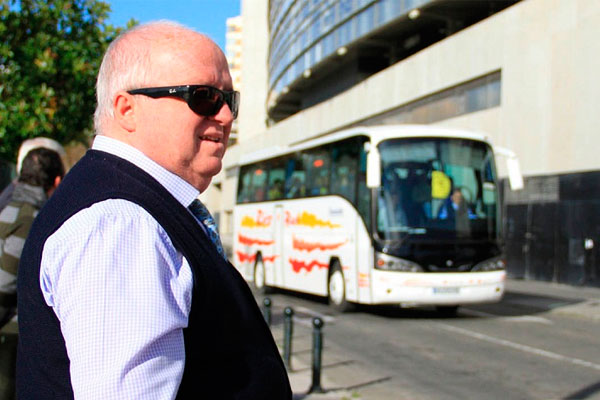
(50, 52)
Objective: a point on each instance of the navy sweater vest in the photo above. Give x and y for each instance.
(230, 352)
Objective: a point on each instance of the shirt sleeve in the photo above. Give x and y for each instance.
(122, 294)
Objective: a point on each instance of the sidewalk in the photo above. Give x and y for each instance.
(579, 302)
(555, 298)
(300, 371)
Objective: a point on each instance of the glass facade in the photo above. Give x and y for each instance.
(478, 94)
(304, 32)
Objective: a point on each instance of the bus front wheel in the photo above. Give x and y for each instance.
(336, 289)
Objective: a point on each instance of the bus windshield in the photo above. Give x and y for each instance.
(438, 188)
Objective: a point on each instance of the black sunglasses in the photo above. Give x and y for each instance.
(202, 99)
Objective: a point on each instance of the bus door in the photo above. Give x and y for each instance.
(278, 232)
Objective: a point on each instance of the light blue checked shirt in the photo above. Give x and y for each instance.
(121, 291)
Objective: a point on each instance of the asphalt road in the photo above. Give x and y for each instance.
(521, 348)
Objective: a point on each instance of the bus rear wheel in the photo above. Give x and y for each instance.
(260, 276)
(336, 289)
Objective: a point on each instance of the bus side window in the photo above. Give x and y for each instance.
(259, 181)
(344, 172)
(364, 193)
(295, 186)
(244, 185)
(317, 168)
(276, 178)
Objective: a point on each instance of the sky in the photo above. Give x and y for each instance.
(206, 16)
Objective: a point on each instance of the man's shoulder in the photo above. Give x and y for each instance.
(116, 222)
(114, 214)
(95, 178)
(100, 174)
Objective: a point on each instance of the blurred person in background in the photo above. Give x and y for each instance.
(40, 173)
(25, 147)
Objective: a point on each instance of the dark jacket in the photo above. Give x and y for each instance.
(230, 352)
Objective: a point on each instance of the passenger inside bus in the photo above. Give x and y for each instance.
(456, 210)
(276, 191)
(455, 205)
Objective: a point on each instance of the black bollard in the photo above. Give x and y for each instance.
(315, 387)
(288, 331)
(267, 310)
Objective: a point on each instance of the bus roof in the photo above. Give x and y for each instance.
(376, 134)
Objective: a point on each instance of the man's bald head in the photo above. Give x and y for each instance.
(139, 58)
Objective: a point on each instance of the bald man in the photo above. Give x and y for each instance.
(125, 291)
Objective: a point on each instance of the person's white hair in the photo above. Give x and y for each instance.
(127, 63)
(38, 142)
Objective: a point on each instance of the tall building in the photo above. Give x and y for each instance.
(233, 48)
(521, 71)
(233, 52)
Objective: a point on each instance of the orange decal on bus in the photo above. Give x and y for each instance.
(243, 257)
(363, 280)
(250, 241)
(308, 219)
(261, 220)
(270, 258)
(298, 265)
(302, 245)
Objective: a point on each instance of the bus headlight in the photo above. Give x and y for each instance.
(491, 264)
(389, 263)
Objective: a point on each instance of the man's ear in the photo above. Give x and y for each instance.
(124, 109)
(57, 181)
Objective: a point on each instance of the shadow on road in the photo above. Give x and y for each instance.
(585, 393)
(512, 304)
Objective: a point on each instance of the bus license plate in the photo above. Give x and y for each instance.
(446, 290)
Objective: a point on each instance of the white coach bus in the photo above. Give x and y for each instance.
(403, 214)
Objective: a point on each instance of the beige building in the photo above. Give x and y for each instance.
(233, 48)
(526, 75)
(233, 52)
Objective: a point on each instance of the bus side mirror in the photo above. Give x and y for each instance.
(515, 177)
(373, 168)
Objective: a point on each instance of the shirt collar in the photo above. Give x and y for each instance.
(178, 187)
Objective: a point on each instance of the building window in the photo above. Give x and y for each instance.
(478, 94)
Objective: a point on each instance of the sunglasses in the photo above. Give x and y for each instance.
(202, 99)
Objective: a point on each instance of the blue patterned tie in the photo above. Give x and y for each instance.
(203, 215)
